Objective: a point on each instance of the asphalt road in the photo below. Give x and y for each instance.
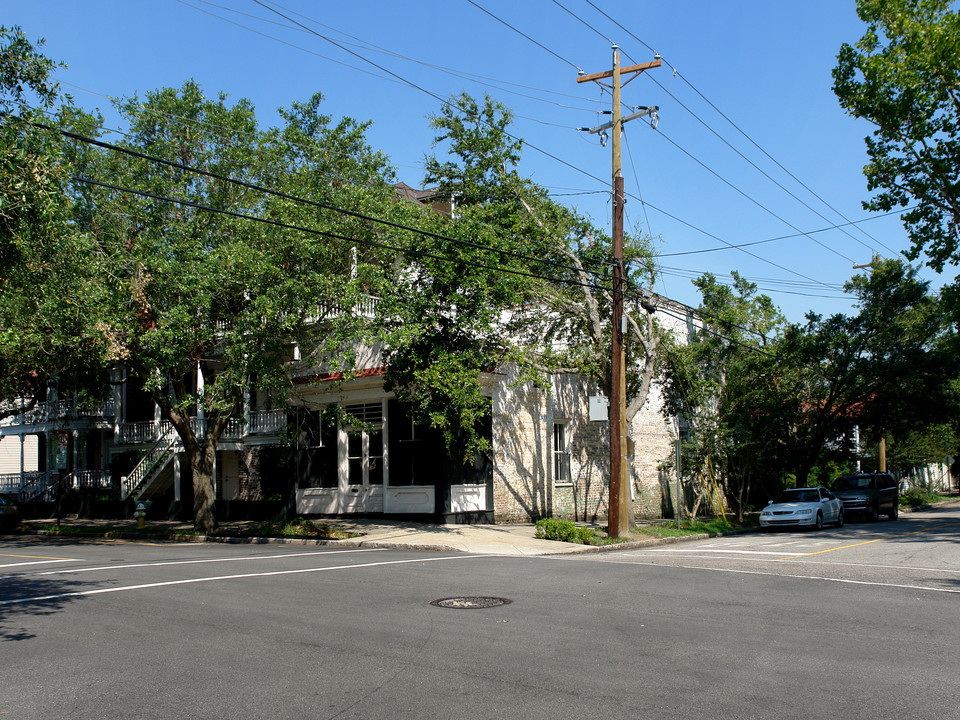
(860, 622)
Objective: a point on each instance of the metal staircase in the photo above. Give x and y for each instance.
(137, 483)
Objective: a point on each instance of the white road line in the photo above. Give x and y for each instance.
(274, 573)
(36, 562)
(161, 563)
(798, 577)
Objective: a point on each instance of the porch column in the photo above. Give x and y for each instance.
(199, 392)
(176, 476)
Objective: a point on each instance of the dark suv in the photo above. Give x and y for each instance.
(869, 494)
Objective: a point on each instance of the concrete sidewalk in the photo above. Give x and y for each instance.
(475, 539)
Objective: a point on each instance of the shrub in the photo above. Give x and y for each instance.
(564, 531)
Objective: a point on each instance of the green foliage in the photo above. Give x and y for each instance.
(903, 76)
(537, 300)
(566, 531)
(297, 528)
(915, 497)
(779, 405)
(714, 526)
(195, 285)
(48, 302)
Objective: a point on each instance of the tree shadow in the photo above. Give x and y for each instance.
(23, 594)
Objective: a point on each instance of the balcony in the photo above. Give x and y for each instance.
(259, 423)
(59, 411)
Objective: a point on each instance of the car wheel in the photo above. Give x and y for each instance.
(840, 519)
(819, 524)
(895, 513)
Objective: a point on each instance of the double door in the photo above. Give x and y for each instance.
(361, 482)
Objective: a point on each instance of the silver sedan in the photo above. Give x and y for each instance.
(803, 507)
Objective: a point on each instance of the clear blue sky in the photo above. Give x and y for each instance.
(765, 65)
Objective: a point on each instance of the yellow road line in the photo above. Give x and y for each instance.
(865, 542)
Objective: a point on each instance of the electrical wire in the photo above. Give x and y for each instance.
(324, 233)
(677, 73)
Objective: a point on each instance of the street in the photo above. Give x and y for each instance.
(856, 622)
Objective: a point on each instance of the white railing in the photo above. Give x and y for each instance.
(99, 479)
(267, 422)
(155, 458)
(142, 432)
(26, 486)
(59, 410)
(261, 422)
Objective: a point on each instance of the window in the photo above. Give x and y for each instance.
(561, 454)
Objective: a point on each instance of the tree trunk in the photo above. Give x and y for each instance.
(204, 496)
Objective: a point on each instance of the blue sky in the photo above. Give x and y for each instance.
(765, 65)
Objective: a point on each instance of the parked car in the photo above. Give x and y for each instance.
(9, 514)
(803, 507)
(869, 494)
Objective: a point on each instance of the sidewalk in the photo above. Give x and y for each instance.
(377, 533)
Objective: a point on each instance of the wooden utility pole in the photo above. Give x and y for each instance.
(618, 509)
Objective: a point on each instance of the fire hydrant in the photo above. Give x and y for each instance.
(141, 515)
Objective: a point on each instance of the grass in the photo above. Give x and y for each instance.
(916, 497)
(668, 528)
(566, 531)
(297, 528)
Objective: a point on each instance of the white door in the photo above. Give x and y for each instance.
(361, 486)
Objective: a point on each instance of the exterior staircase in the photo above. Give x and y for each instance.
(149, 469)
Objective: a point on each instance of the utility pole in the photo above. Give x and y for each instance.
(618, 507)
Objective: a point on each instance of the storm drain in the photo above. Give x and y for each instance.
(471, 603)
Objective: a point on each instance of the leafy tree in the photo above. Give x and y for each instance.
(205, 304)
(711, 381)
(547, 307)
(883, 368)
(903, 76)
(48, 327)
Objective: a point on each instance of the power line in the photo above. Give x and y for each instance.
(786, 237)
(327, 234)
(750, 198)
(676, 72)
(520, 32)
(314, 203)
(412, 84)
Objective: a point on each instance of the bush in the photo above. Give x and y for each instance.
(565, 531)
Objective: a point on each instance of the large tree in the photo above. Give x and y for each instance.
(710, 381)
(903, 76)
(533, 286)
(48, 303)
(212, 282)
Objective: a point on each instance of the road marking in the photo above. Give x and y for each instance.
(35, 557)
(867, 542)
(796, 577)
(36, 562)
(161, 563)
(243, 576)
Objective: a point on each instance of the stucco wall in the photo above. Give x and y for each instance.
(524, 487)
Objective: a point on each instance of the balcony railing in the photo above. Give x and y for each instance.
(265, 422)
(60, 410)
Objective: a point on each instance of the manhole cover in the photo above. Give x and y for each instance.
(470, 603)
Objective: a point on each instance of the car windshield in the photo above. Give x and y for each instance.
(793, 496)
(854, 483)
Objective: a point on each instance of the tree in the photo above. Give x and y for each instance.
(211, 282)
(710, 382)
(548, 306)
(48, 305)
(903, 76)
(884, 368)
